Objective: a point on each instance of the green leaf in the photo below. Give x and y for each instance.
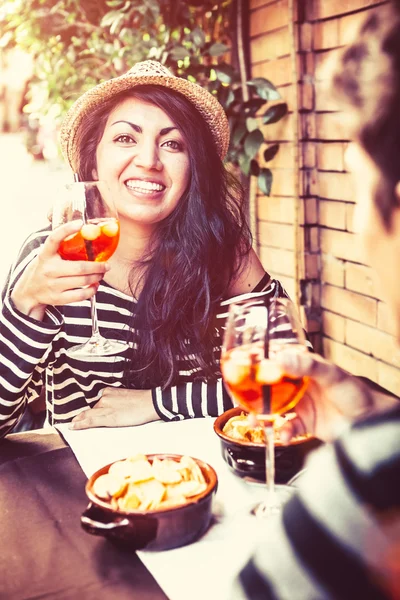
(238, 133)
(179, 53)
(218, 49)
(265, 88)
(244, 163)
(275, 113)
(198, 37)
(253, 142)
(109, 18)
(251, 124)
(264, 181)
(271, 152)
(224, 73)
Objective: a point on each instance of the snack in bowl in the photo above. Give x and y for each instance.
(243, 448)
(240, 427)
(152, 502)
(135, 483)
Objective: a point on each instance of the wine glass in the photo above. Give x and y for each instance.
(97, 240)
(255, 334)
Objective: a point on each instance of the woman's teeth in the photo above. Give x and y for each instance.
(144, 186)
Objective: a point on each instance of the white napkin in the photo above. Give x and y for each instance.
(206, 568)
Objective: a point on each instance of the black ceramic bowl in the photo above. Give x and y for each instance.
(156, 529)
(247, 459)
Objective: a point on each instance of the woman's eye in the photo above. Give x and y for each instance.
(173, 144)
(124, 139)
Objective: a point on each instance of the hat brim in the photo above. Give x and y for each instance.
(207, 105)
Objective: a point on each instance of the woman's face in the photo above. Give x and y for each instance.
(381, 247)
(144, 160)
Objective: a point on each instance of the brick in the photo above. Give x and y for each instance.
(276, 235)
(336, 186)
(330, 156)
(308, 155)
(349, 359)
(389, 378)
(281, 131)
(362, 279)
(349, 26)
(349, 304)
(268, 18)
(283, 182)
(332, 270)
(306, 37)
(279, 71)
(333, 326)
(309, 211)
(324, 99)
(329, 8)
(371, 341)
(270, 45)
(306, 96)
(385, 318)
(276, 209)
(326, 35)
(311, 266)
(332, 214)
(350, 218)
(324, 63)
(311, 239)
(277, 260)
(308, 126)
(341, 244)
(329, 127)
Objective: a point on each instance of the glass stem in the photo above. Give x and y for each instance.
(93, 314)
(270, 461)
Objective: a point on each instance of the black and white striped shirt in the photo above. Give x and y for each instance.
(339, 536)
(33, 354)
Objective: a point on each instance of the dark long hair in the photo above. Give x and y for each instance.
(197, 252)
(367, 79)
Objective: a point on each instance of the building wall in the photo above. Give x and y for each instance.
(305, 228)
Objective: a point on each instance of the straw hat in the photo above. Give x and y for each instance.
(148, 72)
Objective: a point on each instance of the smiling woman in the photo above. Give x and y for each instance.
(158, 141)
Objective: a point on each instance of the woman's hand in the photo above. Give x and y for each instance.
(333, 400)
(118, 407)
(50, 280)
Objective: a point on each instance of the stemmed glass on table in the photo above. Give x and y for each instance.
(255, 334)
(97, 240)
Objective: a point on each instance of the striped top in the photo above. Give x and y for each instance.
(33, 354)
(339, 535)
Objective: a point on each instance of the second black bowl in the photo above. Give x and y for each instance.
(247, 459)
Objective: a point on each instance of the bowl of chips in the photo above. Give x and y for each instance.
(152, 502)
(243, 447)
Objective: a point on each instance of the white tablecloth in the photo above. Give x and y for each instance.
(203, 570)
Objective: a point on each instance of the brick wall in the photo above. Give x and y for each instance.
(305, 228)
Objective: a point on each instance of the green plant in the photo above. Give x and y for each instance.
(78, 43)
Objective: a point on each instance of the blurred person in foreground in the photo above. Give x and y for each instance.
(339, 535)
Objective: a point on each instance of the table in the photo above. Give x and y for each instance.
(44, 552)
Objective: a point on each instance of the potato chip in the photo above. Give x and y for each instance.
(100, 487)
(130, 501)
(150, 493)
(192, 465)
(166, 471)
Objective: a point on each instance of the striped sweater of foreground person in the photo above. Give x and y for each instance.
(339, 536)
(33, 354)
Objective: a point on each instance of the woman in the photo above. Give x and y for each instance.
(158, 142)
